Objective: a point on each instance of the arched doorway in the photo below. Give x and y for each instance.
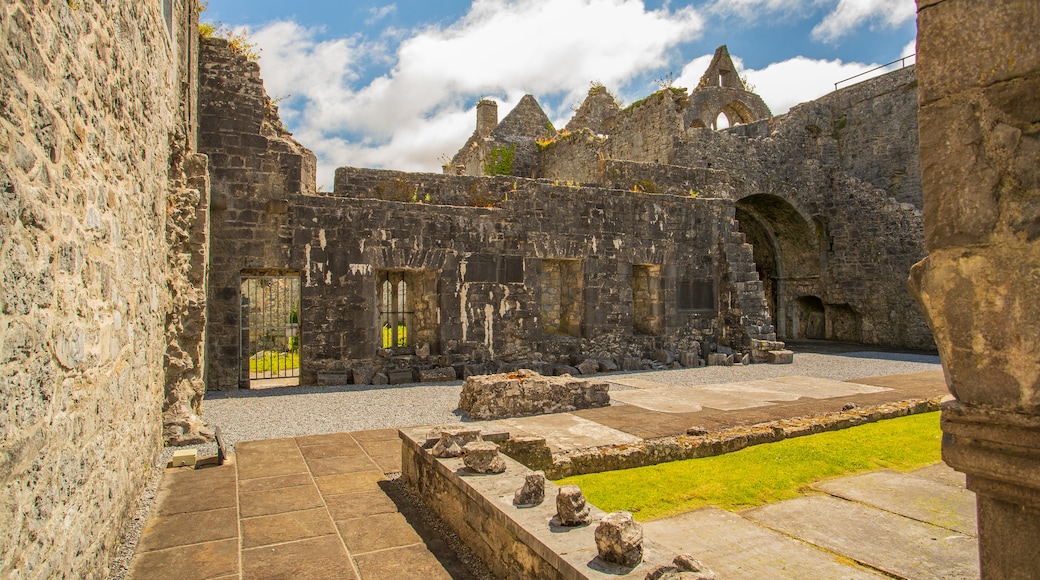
(786, 254)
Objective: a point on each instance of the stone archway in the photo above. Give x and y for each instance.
(786, 254)
(735, 113)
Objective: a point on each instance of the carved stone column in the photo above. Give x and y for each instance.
(978, 66)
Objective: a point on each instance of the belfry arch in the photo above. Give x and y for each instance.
(786, 254)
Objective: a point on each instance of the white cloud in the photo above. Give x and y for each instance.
(842, 16)
(377, 14)
(422, 107)
(783, 84)
(850, 14)
(753, 8)
(910, 48)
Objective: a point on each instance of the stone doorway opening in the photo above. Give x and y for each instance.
(562, 303)
(270, 328)
(786, 250)
(812, 320)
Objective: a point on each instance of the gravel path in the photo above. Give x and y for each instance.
(293, 411)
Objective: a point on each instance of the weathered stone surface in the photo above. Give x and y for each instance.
(664, 356)
(335, 379)
(978, 286)
(781, 357)
(631, 363)
(760, 349)
(688, 359)
(561, 370)
(439, 374)
(422, 351)
(683, 567)
(571, 508)
(533, 491)
(607, 365)
(363, 374)
(452, 441)
(528, 393)
(380, 379)
(400, 377)
(482, 457)
(531, 451)
(619, 539)
(588, 367)
(719, 359)
(103, 207)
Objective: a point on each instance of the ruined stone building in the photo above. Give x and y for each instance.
(828, 195)
(162, 235)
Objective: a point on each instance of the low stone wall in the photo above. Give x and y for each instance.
(526, 392)
(513, 542)
(534, 453)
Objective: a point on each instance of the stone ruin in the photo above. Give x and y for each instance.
(525, 392)
(571, 507)
(619, 539)
(144, 175)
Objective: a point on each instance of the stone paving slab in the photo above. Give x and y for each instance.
(888, 542)
(942, 473)
(305, 507)
(690, 399)
(737, 395)
(633, 382)
(908, 495)
(905, 380)
(734, 547)
(661, 399)
(825, 388)
(565, 432)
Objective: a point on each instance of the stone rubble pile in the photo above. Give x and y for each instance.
(525, 392)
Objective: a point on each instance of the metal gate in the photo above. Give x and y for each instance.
(270, 329)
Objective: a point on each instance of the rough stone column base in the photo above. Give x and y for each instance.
(1000, 454)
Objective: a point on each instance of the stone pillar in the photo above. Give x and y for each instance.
(978, 66)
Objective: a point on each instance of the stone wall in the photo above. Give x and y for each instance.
(90, 119)
(828, 195)
(483, 271)
(486, 312)
(255, 167)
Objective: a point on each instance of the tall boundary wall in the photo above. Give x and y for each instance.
(95, 111)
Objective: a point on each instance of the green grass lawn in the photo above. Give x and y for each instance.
(764, 473)
(271, 361)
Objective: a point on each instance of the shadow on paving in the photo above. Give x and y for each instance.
(440, 540)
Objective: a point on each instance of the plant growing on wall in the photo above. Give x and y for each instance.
(237, 41)
(499, 161)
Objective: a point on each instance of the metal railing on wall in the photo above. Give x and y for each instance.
(901, 61)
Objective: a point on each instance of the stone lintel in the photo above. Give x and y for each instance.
(998, 451)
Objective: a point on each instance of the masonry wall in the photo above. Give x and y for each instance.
(484, 319)
(830, 191)
(255, 167)
(89, 95)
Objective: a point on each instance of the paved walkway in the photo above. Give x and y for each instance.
(879, 524)
(307, 507)
(320, 506)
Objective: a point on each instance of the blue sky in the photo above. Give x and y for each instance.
(394, 84)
